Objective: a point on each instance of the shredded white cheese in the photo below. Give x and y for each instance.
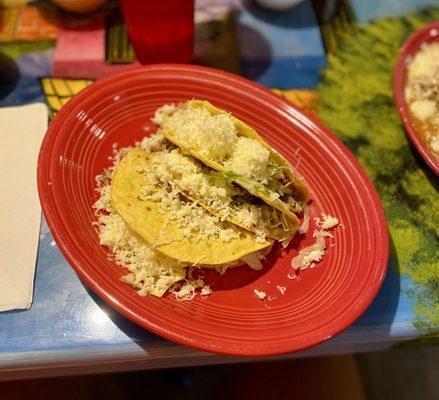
(163, 113)
(425, 62)
(421, 92)
(150, 271)
(211, 135)
(206, 290)
(216, 137)
(163, 185)
(250, 159)
(186, 290)
(423, 109)
(178, 173)
(311, 254)
(282, 289)
(156, 142)
(326, 221)
(176, 181)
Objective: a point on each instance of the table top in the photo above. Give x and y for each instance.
(68, 329)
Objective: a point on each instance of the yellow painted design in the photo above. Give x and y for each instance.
(61, 88)
(47, 86)
(76, 85)
(59, 91)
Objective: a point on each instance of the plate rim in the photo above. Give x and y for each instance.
(409, 48)
(81, 271)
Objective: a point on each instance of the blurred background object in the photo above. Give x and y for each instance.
(9, 75)
(335, 19)
(160, 31)
(13, 3)
(79, 6)
(278, 5)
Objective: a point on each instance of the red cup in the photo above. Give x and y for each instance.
(160, 31)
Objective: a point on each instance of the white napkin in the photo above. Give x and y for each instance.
(21, 132)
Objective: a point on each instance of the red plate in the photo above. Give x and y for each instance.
(411, 46)
(319, 304)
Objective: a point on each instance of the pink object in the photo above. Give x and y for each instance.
(161, 30)
(80, 52)
(411, 46)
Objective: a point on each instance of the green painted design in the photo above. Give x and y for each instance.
(14, 50)
(356, 102)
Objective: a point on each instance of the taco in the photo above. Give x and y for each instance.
(214, 192)
(238, 153)
(172, 223)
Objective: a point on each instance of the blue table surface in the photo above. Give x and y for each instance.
(68, 321)
(67, 316)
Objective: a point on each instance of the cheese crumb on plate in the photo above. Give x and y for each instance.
(260, 294)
